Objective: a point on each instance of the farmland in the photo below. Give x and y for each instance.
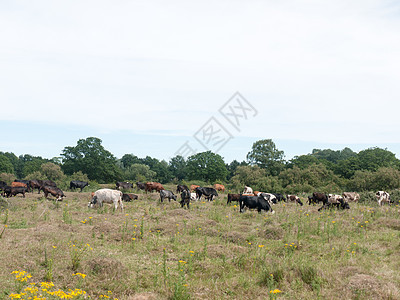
(156, 250)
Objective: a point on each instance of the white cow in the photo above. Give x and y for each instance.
(247, 190)
(107, 196)
(351, 196)
(383, 196)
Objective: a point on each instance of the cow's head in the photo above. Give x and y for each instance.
(93, 202)
(345, 205)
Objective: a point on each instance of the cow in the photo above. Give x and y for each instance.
(185, 196)
(254, 202)
(233, 197)
(268, 197)
(153, 186)
(3, 184)
(247, 190)
(310, 200)
(107, 196)
(208, 193)
(54, 191)
(77, 184)
(123, 185)
(11, 191)
(383, 196)
(167, 194)
(18, 184)
(181, 188)
(318, 197)
(35, 184)
(193, 187)
(351, 196)
(219, 187)
(294, 198)
(140, 186)
(335, 201)
(279, 197)
(129, 197)
(24, 181)
(45, 183)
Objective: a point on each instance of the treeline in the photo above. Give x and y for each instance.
(264, 169)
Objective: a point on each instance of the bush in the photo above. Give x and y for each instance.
(7, 177)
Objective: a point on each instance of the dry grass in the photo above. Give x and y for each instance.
(211, 251)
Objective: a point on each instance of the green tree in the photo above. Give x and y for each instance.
(90, 157)
(177, 167)
(129, 159)
(5, 164)
(52, 172)
(206, 166)
(139, 172)
(247, 175)
(374, 158)
(265, 155)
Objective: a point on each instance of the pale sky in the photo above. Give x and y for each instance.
(145, 76)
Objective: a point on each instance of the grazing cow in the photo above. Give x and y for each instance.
(294, 198)
(219, 187)
(167, 194)
(55, 191)
(335, 201)
(185, 196)
(123, 185)
(193, 187)
(351, 196)
(77, 184)
(383, 196)
(279, 197)
(247, 190)
(45, 183)
(233, 197)
(128, 197)
(18, 184)
(153, 186)
(140, 185)
(11, 191)
(268, 197)
(3, 184)
(107, 196)
(193, 196)
(181, 188)
(35, 184)
(208, 193)
(260, 203)
(318, 197)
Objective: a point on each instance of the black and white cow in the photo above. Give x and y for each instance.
(185, 196)
(294, 198)
(383, 197)
(123, 185)
(167, 194)
(208, 192)
(335, 201)
(254, 202)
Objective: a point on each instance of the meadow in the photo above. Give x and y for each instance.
(156, 250)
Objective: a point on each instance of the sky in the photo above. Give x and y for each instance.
(153, 77)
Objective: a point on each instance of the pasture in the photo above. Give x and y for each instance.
(158, 250)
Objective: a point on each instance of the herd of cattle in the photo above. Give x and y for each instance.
(249, 198)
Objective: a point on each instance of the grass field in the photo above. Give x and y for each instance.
(158, 250)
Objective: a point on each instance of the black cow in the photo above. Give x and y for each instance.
(13, 191)
(279, 197)
(3, 184)
(318, 197)
(124, 185)
(208, 193)
(181, 188)
(35, 184)
(233, 197)
(129, 197)
(167, 194)
(77, 184)
(140, 185)
(254, 202)
(185, 196)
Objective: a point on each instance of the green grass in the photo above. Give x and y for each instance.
(161, 251)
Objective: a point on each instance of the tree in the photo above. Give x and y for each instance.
(177, 167)
(206, 166)
(52, 172)
(247, 175)
(139, 172)
(265, 155)
(129, 159)
(5, 165)
(90, 157)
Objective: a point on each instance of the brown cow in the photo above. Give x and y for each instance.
(18, 184)
(154, 186)
(54, 191)
(219, 187)
(193, 187)
(233, 197)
